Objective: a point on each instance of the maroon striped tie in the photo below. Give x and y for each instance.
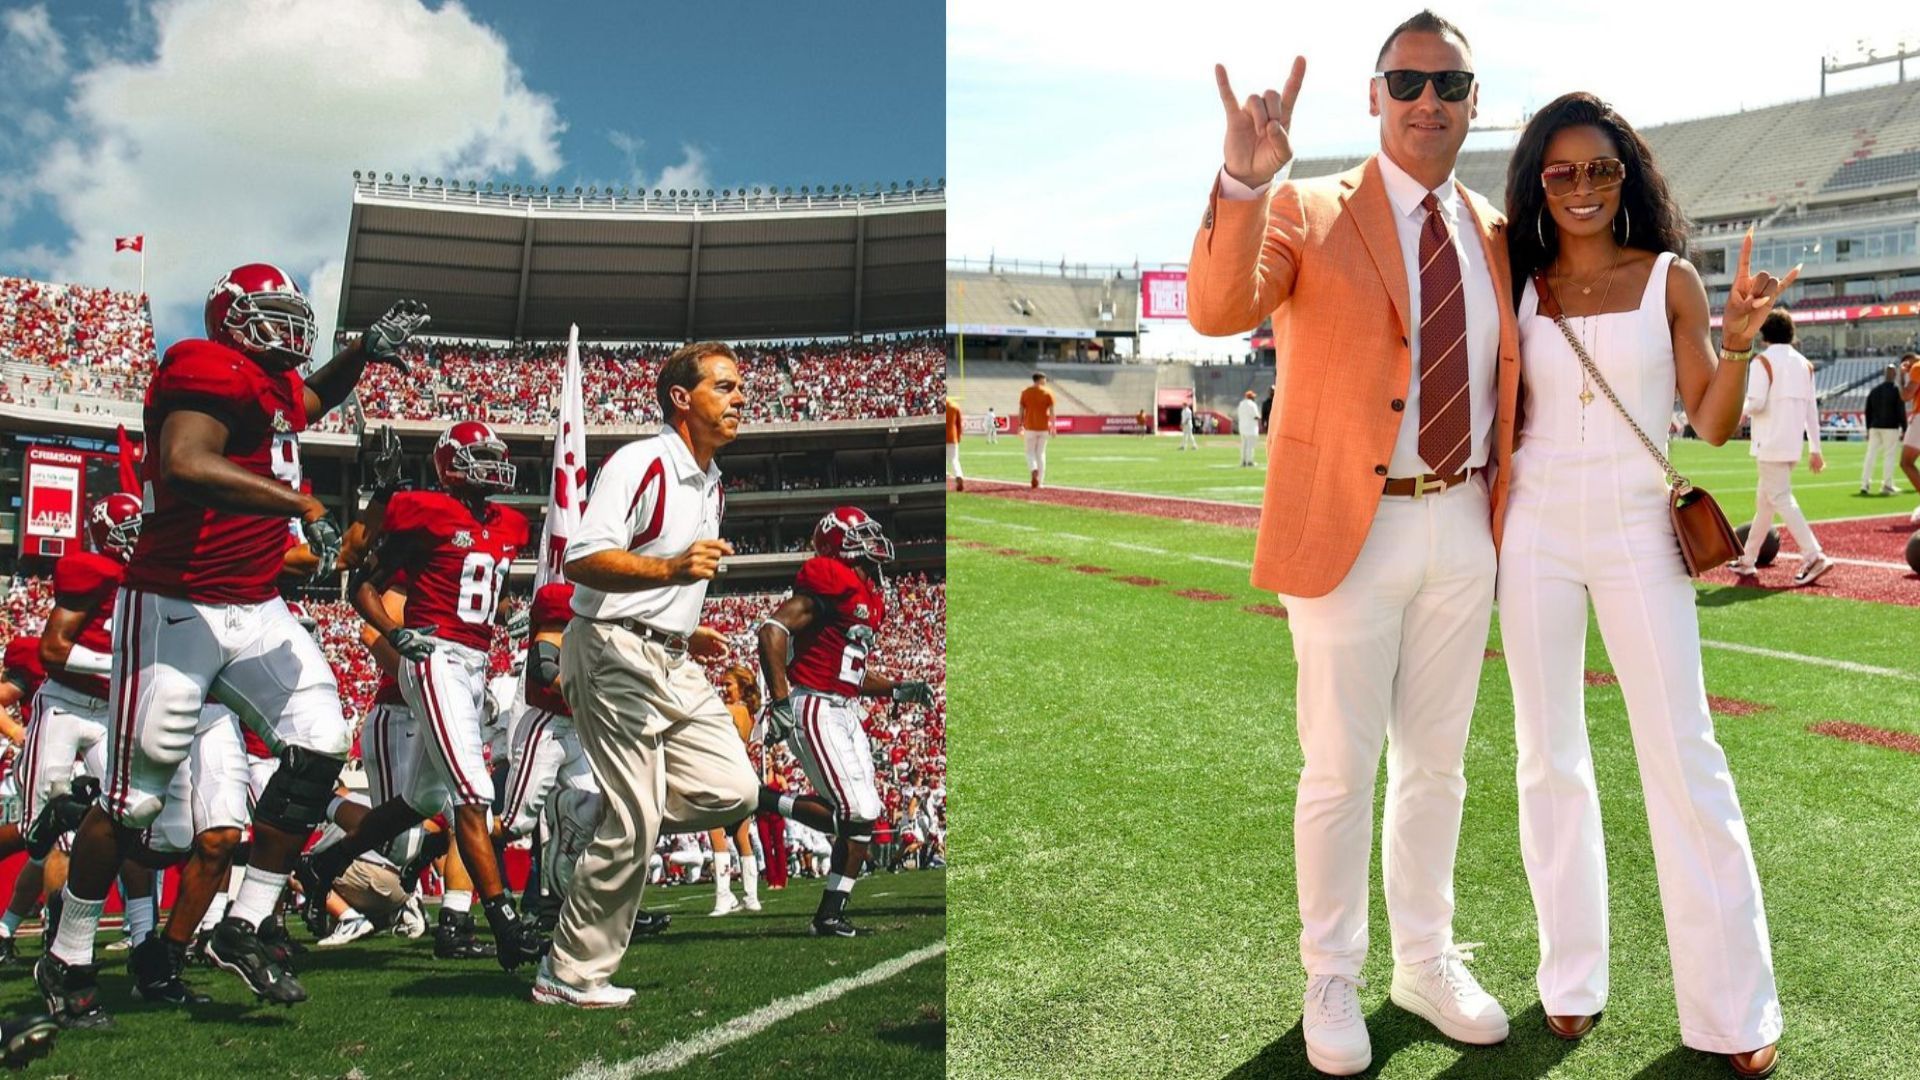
(1446, 420)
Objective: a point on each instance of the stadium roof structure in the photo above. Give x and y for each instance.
(651, 266)
(1826, 151)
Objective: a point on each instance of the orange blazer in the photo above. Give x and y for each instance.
(1323, 257)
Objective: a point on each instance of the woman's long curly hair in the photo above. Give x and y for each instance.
(1648, 208)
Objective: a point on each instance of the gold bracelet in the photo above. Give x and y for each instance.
(1740, 356)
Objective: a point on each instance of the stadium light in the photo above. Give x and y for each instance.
(406, 178)
(802, 191)
(389, 178)
(756, 190)
(356, 174)
(709, 193)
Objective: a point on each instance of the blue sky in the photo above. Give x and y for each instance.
(226, 130)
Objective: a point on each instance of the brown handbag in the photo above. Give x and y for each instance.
(1706, 540)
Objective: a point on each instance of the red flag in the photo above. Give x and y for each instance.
(129, 243)
(129, 463)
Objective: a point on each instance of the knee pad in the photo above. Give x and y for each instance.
(296, 796)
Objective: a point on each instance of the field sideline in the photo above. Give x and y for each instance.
(384, 1007)
(1124, 903)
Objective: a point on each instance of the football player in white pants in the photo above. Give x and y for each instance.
(834, 613)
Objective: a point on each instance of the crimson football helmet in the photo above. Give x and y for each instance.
(113, 524)
(848, 533)
(470, 457)
(258, 310)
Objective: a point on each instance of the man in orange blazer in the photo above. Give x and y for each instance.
(1390, 438)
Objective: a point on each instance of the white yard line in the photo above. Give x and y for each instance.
(683, 1051)
(1817, 661)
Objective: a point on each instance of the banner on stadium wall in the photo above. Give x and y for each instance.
(51, 497)
(1099, 425)
(977, 425)
(1906, 309)
(1163, 294)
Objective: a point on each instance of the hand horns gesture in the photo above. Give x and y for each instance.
(1752, 296)
(1257, 144)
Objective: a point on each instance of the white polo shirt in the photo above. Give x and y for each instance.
(652, 499)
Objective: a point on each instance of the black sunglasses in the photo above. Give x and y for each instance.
(1409, 85)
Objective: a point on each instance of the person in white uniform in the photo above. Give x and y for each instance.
(1187, 441)
(993, 428)
(1786, 414)
(1588, 519)
(1246, 420)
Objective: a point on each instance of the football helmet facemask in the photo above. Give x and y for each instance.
(848, 533)
(258, 310)
(113, 525)
(470, 458)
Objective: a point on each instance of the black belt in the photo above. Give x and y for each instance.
(672, 642)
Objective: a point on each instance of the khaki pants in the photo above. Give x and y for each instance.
(373, 890)
(663, 749)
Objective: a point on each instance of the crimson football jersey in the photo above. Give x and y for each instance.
(459, 565)
(193, 552)
(832, 656)
(552, 604)
(86, 581)
(22, 667)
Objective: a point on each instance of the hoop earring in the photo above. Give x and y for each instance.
(1540, 228)
(1627, 217)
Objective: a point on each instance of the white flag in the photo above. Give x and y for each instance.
(569, 495)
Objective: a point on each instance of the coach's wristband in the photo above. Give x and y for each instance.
(84, 661)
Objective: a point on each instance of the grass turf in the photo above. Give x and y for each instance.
(1156, 466)
(383, 1006)
(1124, 762)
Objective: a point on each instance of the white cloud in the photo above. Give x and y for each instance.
(691, 172)
(34, 53)
(234, 140)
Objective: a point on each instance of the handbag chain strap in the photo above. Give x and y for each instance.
(1675, 482)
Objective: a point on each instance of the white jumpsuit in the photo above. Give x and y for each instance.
(1587, 517)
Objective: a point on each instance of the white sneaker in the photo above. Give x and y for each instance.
(1742, 568)
(1447, 995)
(411, 922)
(548, 990)
(1887, 489)
(751, 903)
(349, 930)
(1336, 1033)
(1811, 570)
(1914, 519)
(723, 904)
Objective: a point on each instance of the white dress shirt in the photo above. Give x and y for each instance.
(652, 499)
(1784, 407)
(1483, 307)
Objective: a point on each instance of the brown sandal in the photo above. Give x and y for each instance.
(1754, 1064)
(1571, 1028)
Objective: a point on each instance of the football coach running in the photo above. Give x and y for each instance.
(661, 745)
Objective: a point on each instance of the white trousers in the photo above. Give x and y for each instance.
(953, 460)
(1037, 451)
(1574, 534)
(993, 433)
(1187, 441)
(1883, 445)
(1775, 496)
(1391, 655)
(1249, 441)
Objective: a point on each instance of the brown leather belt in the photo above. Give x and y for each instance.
(1426, 484)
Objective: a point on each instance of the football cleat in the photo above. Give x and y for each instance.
(8, 955)
(454, 939)
(61, 814)
(27, 1037)
(72, 992)
(237, 947)
(197, 952)
(280, 944)
(315, 884)
(155, 965)
(516, 942)
(836, 926)
(649, 923)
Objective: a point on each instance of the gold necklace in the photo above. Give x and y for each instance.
(1586, 384)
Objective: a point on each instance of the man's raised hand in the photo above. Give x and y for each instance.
(1258, 142)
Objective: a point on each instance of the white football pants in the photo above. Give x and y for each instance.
(1391, 655)
(1574, 531)
(1883, 446)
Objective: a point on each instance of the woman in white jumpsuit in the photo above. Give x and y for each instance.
(1587, 518)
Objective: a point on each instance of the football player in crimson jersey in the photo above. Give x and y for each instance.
(455, 548)
(221, 478)
(813, 656)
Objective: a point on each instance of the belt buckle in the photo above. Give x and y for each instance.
(1427, 484)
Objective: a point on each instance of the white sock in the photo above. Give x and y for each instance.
(140, 918)
(721, 873)
(216, 911)
(458, 900)
(350, 914)
(750, 876)
(839, 883)
(259, 894)
(234, 877)
(79, 921)
(9, 923)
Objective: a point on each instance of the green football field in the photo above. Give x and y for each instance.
(1125, 763)
(384, 1007)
